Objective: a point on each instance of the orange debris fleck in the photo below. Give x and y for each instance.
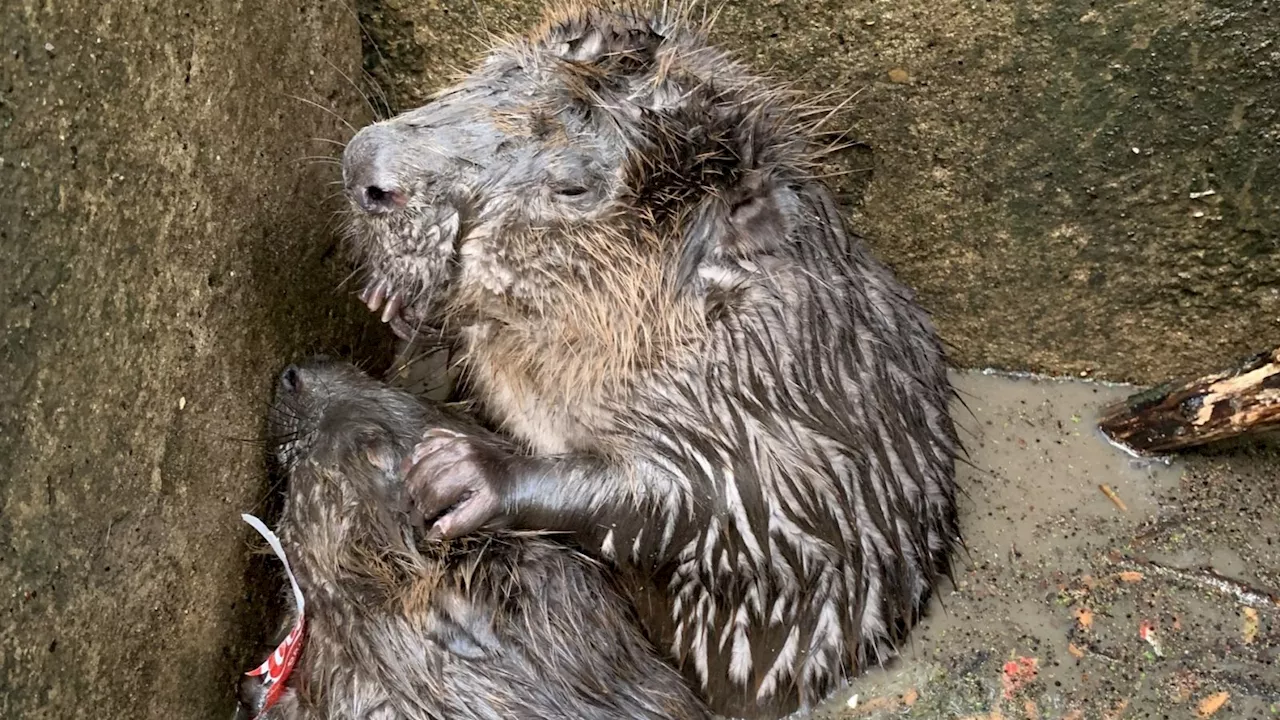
(1212, 704)
(1084, 616)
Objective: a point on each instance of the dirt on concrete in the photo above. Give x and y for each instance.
(1072, 187)
(164, 250)
(1094, 585)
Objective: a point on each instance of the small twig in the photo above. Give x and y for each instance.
(1113, 497)
(1212, 580)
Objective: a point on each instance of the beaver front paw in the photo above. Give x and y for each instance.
(378, 294)
(456, 483)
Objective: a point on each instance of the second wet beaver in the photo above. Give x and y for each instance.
(716, 385)
(496, 626)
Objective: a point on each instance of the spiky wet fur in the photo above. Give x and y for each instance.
(752, 387)
(497, 626)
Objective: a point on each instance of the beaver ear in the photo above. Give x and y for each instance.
(751, 219)
(757, 218)
(383, 457)
(755, 215)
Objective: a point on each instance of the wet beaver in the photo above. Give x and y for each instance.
(715, 384)
(495, 626)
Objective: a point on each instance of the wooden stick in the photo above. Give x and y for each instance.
(1190, 412)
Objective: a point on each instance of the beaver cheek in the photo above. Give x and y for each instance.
(482, 270)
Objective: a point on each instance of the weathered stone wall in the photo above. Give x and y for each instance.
(164, 250)
(1035, 169)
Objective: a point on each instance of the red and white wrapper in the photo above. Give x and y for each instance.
(276, 668)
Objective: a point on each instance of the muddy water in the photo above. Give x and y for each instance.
(1057, 573)
(1032, 495)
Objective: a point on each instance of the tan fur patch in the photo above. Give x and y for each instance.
(591, 333)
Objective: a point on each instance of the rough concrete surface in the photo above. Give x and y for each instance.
(1031, 167)
(164, 250)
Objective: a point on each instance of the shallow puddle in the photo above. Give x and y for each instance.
(1057, 578)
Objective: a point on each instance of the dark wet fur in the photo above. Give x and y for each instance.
(717, 386)
(494, 626)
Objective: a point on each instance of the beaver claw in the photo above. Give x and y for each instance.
(378, 292)
(455, 483)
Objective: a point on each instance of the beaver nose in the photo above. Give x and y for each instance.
(368, 175)
(290, 379)
(379, 199)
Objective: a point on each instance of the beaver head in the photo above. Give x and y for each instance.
(612, 151)
(325, 412)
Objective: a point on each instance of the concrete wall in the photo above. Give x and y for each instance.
(164, 250)
(1029, 166)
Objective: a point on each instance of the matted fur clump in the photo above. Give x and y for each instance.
(715, 386)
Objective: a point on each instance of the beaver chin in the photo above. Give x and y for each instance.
(407, 282)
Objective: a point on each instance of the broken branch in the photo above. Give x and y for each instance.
(1186, 413)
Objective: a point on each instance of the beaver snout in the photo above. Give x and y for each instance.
(294, 378)
(368, 172)
(290, 379)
